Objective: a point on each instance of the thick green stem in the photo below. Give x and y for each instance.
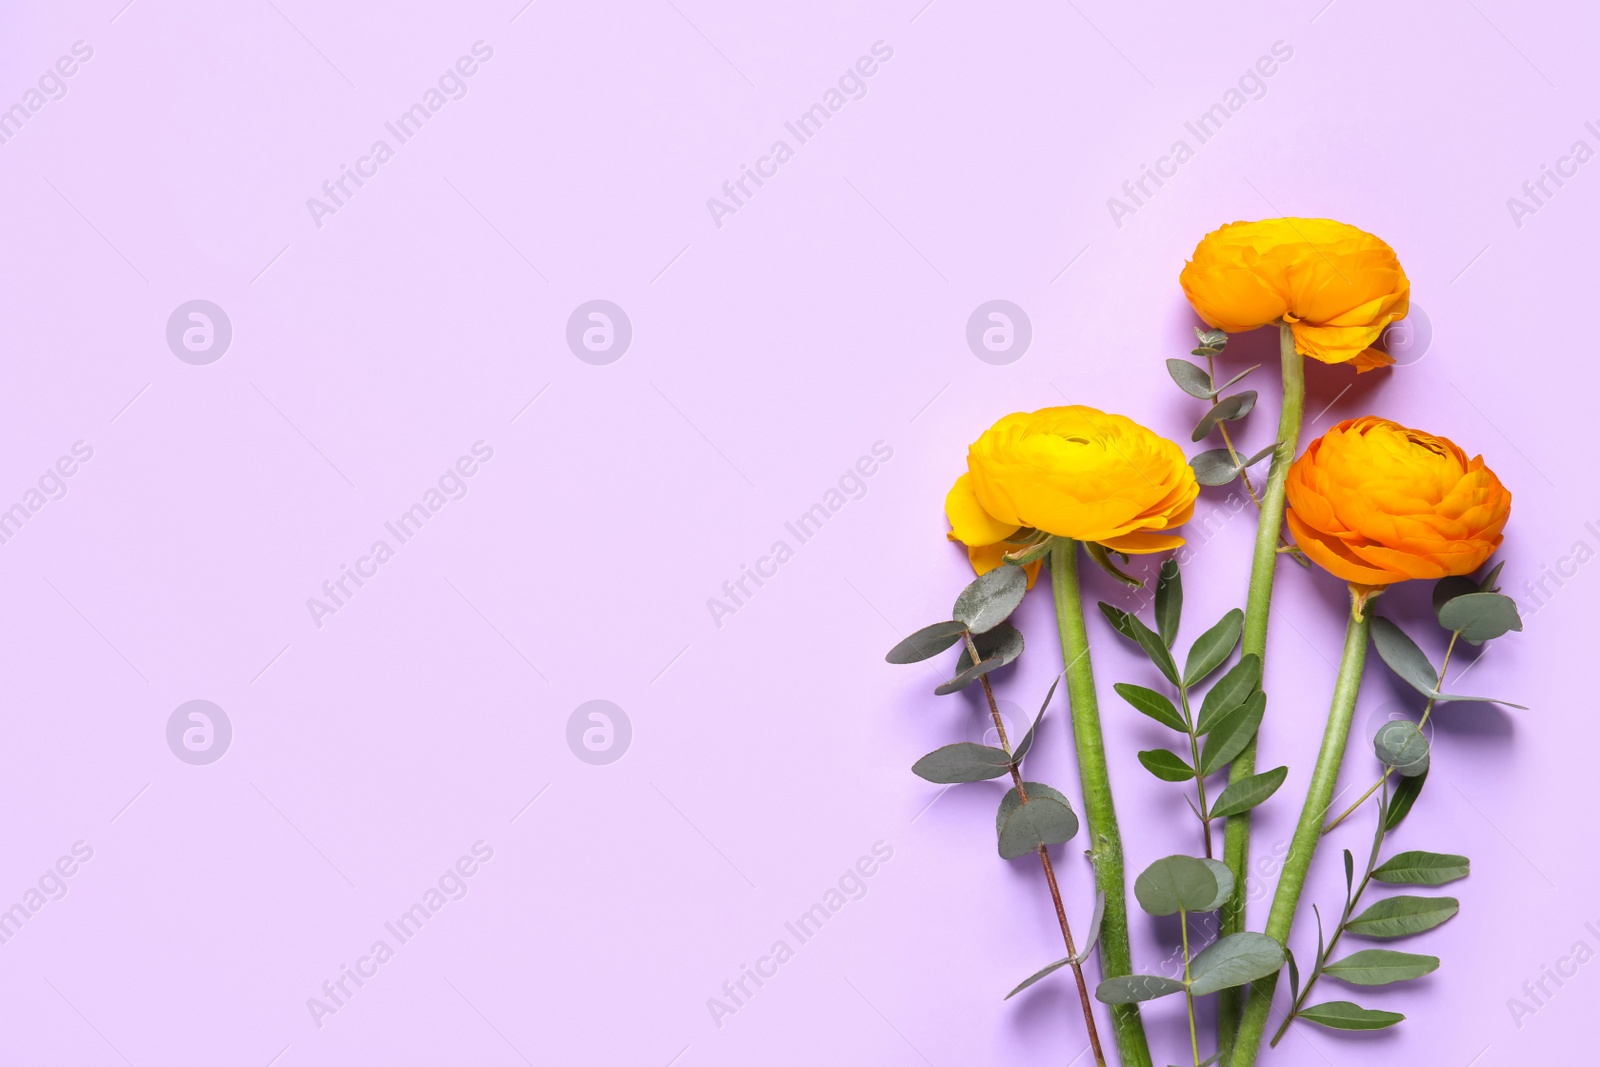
(1309, 830)
(1100, 815)
(1236, 838)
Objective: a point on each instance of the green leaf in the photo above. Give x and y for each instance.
(1102, 558)
(1402, 745)
(1403, 656)
(1228, 409)
(1023, 557)
(927, 642)
(963, 761)
(1214, 467)
(1236, 379)
(989, 600)
(1230, 691)
(1175, 883)
(1423, 868)
(1246, 793)
(1343, 1015)
(1488, 585)
(1380, 966)
(1190, 378)
(1215, 340)
(1119, 620)
(1294, 977)
(1403, 916)
(1232, 733)
(1446, 698)
(1405, 795)
(1046, 819)
(1169, 601)
(1154, 648)
(1093, 935)
(1234, 960)
(1481, 616)
(1212, 647)
(1133, 988)
(1027, 738)
(1004, 642)
(1165, 765)
(1225, 884)
(1447, 589)
(1043, 972)
(1263, 454)
(1153, 704)
(968, 676)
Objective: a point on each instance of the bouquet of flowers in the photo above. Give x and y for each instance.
(1370, 502)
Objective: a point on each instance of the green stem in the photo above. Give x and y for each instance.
(1309, 830)
(1194, 1036)
(1236, 837)
(1100, 816)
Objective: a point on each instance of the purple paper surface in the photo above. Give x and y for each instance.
(400, 746)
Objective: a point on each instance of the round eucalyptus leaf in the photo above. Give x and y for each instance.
(989, 600)
(1448, 588)
(1225, 883)
(1003, 642)
(1214, 467)
(968, 676)
(1481, 616)
(1190, 378)
(962, 762)
(1133, 988)
(1402, 745)
(1046, 819)
(1174, 884)
(1234, 960)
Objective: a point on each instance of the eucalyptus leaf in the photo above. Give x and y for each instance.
(1447, 698)
(1261, 455)
(1095, 919)
(1423, 868)
(1481, 617)
(1343, 1015)
(1153, 704)
(1027, 738)
(963, 761)
(1176, 883)
(1404, 657)
(1236, 379)
(1003, 642)
(1165, 765)
(1225, 884)
(1403, 916)
(1133, 988)
(1230, 691)
(1246, 793)
(968, 676)
(1214, 467)
(1448, 588)
(1402, 745)
(927, 642)
(1190, 378)
(989, 600)
(1043, 972)
(1169, 601)
(1227, 409)
(1214, 339)
(1234, 960)
(1232, 733)
(1046, 819)
(1212, 647)
(1380, 966)
(1399, 805)
(1491, 580)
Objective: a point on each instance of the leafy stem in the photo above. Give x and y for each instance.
(1204, 811)
(1044, 860)
(1427, 710)
(1188, 993)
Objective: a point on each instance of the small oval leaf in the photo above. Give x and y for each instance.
(1403, 916)
(1046, 819)
(1380, 966)
(963, 761)
(927, 642)
(991, 599)
(1212, 647)
(1234, 960)
(1165, 765)
(1423, 868)
(1153, 704)
(1402, 745)
(1481, 616)
(1246, 793)
(1133, 988)
(1175, 883)
(1343, 1015)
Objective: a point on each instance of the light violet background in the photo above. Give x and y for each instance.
(828, 313)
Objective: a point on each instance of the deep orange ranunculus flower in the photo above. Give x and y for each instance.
(1075, 472)
(1336, 286)
(1376, 503)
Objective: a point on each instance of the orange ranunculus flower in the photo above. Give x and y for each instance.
(1074, 472)
(1336, 286)
(1376, 503)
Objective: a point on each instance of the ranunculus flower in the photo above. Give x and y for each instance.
(1375, 503)
(1073, 472)
(1336, 286)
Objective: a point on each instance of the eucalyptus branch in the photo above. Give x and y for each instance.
(1388, 770)
(1044, 860)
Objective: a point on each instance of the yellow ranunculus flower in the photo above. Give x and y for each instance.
(1336, 286)
(1073, 472)
(1375, 503)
